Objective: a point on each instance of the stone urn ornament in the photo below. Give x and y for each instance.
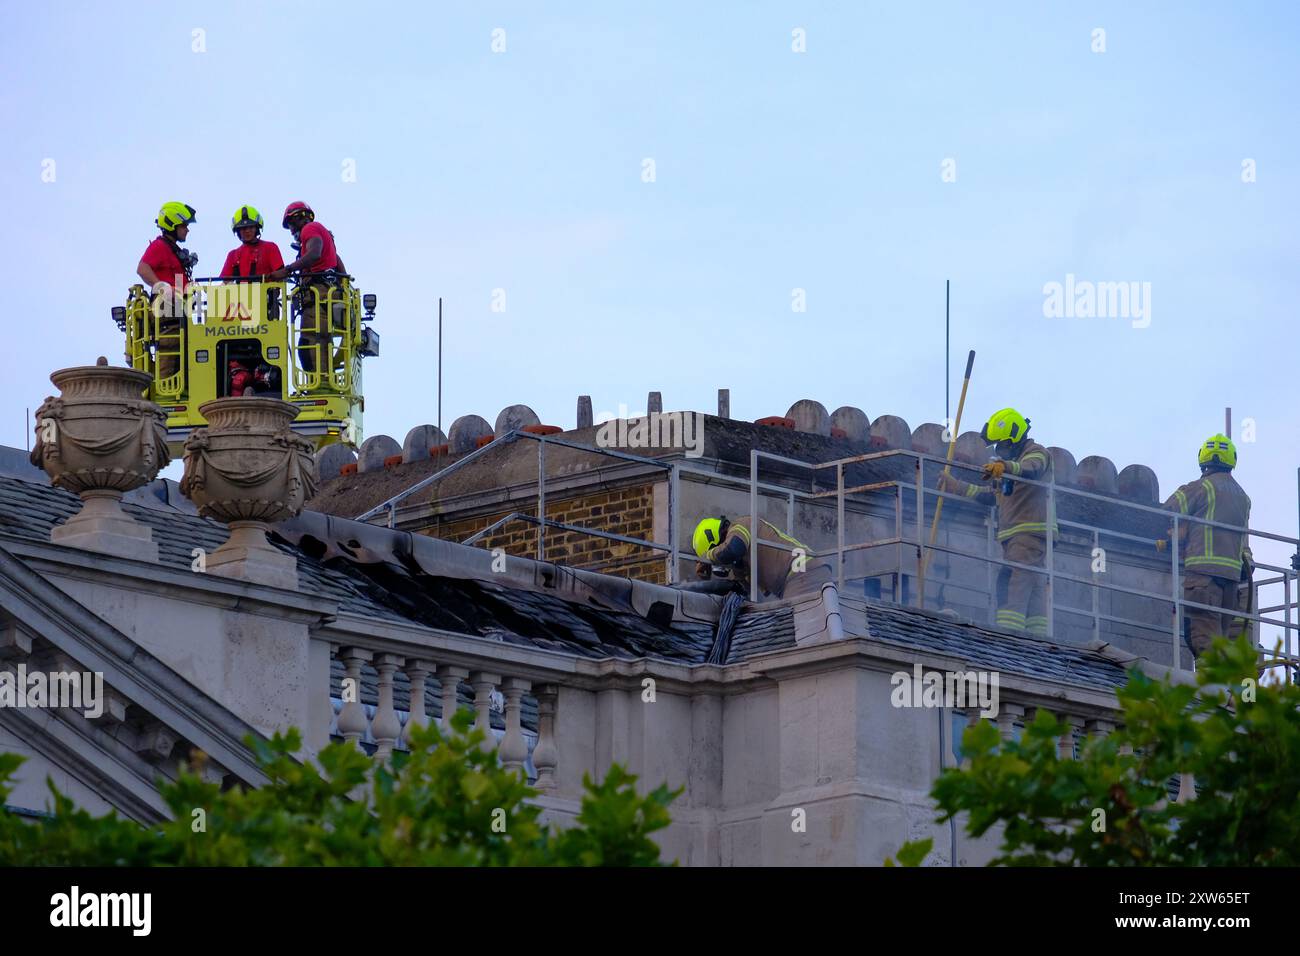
(99, 439)
(249, 469)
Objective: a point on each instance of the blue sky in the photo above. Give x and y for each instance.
(775, 170)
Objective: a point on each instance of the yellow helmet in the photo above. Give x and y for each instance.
(1005, 425)
(708, 533)
(1218, 448)
(173, 214)
(246, 216)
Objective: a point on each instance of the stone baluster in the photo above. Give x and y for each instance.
(451, 678)
(352, 718)
(417, 672)
(385, 727)
(1186, 787)
(514, 748)
(484, 682)
(1007, 715)
(545, 754)
(1065, 749)
(1099, 728)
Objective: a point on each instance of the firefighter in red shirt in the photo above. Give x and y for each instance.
(254, 257)
(166, 268)
(319, 267)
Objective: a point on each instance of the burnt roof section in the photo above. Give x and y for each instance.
(615, 617)
(390, 590)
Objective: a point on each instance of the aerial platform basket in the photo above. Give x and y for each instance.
(303, 344)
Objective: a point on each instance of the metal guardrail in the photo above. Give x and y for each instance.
(897, 488)
(540, 520)
(1287, 576)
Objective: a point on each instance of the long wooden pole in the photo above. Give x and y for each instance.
(947, 469)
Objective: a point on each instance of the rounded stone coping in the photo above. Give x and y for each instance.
(929, 438)
(1139, 483)
(514, 417)
(374, 450)
(810, 416)
(971, 449)
(420, 441)
(465, 432)
(1064, 467)
(853, 422)
(1097, 473)
(331, 459)
(889, 432)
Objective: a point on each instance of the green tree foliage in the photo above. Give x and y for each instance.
(447, 802)
(1111, 807)
(912, 853)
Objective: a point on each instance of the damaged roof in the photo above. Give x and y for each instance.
(597, 623)
(383, 574)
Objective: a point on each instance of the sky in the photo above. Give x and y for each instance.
(863, 153)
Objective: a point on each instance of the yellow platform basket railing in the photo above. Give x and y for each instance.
(329, 334)
(157, 330)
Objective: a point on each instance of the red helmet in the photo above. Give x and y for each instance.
(297, 207)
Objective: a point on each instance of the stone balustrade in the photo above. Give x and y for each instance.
(1012, 717)
(376, 698)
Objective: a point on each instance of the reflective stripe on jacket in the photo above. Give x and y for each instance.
(774, 564)
(1215, 496)
(1024, 511)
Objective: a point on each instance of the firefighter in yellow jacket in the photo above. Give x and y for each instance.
(782, 572)
(1022, 516)
(1215, 560)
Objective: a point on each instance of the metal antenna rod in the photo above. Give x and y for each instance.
(440, 368)
(1227, 421)
(947, 354)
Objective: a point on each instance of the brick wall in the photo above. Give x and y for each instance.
(628, 511)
